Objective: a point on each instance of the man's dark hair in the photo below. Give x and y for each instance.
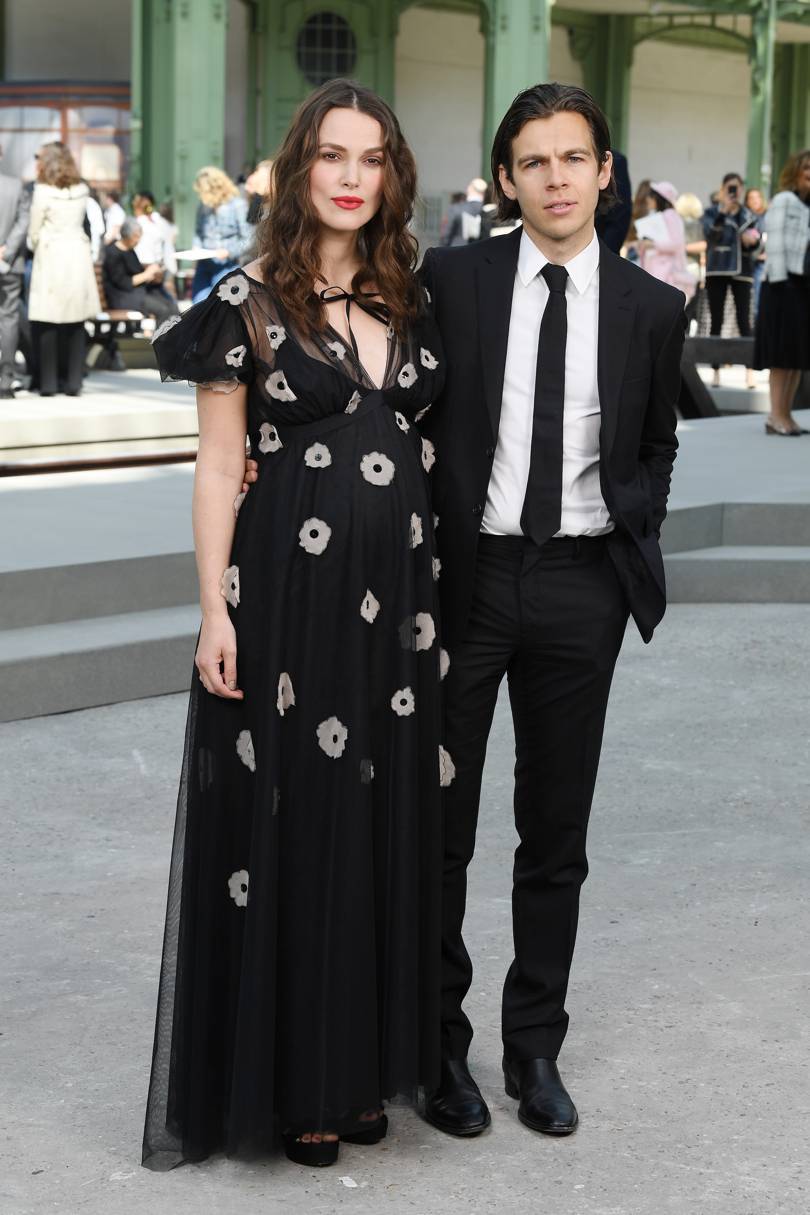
(541, 101)
(147, 194)
(732, 177)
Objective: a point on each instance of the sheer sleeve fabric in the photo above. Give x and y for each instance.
(209, 345)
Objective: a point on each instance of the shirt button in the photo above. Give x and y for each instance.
(477, 509)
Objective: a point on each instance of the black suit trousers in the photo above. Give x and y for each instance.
(552, 619)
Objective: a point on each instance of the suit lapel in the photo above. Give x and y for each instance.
(495, 283)
(617, 312)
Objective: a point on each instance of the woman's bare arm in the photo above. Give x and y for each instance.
(218, 478)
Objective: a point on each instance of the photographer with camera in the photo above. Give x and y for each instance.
(732, 238)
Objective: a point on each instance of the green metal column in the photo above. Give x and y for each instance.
(200, 34)
(518, 38)
(604, 45)
(178, 98)
(759, 169)
(791, 113)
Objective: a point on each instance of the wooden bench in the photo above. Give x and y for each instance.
(111, 323)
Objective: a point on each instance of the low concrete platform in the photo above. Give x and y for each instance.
(117, 544)
(689, 1033)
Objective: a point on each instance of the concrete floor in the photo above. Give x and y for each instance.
(689, 1032)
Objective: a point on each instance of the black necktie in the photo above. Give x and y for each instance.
(542, 506)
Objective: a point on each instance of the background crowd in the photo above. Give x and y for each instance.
(738, 247)
(70, 255)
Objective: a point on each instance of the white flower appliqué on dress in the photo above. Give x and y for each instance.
(237, 502)
(354, 401)
(286, 695)
(447, 769)
(269, 440)
(318, 456)
(278, 388)
(377, 468)
(234, 290)
(369, 607)
(165, 326)
(229, 585)
(337, 350)
(407, 377)
(418, 417)
(403, 703)
(416, 531)
(238, 887)
(417, 632)
(428, 455)
(427, 359)
(402, 421)
(244, 749)
(236, 357)
(437, 568)
(276, 334)
(332, 735)
(314, 535)
(444, 663)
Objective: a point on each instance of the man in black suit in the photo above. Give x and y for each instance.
(555, 439)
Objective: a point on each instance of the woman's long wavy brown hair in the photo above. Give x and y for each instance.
(288, 235)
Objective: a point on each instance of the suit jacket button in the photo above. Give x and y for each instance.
(489, 453)
(478, 509)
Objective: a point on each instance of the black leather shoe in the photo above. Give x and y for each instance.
(544, 1103)
(457, 1106)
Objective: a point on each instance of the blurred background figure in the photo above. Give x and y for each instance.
(257, 186)
(757, 205)
(95, 227)
(783, 324)
(156, 245)
(690, 209)
(128, 283)
(613, 225)
(221, 226)
(663, 254)
(642, 205)
(15, 203)
(464, 218)
(732, 237)
(114, 214)
(63, 282)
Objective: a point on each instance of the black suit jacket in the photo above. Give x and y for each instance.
(641, 331)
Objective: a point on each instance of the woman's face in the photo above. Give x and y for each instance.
(346, 179)
(803, 183)
(755, 201)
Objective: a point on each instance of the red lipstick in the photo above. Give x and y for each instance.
(348, 202)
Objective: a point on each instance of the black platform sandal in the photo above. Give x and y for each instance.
(376, 1131)
(311, 1155)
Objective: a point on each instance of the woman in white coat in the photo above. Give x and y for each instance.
(63, 282)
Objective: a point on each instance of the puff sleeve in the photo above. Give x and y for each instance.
(209, 345)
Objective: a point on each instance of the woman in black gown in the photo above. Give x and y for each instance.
(300, 978)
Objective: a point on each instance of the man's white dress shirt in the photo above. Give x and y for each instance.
(584, 512)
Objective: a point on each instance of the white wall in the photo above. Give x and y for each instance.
(78, 40)
(439, 74)
(688, 116)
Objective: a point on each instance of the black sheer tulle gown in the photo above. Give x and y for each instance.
(300, 978)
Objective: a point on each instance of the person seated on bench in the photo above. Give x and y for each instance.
(131, 285)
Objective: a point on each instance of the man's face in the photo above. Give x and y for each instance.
(556, 177)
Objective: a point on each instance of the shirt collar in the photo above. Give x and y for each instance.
(581, 268)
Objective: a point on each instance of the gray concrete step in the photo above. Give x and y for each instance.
(740, 574)
(54, 668)
(86, 590)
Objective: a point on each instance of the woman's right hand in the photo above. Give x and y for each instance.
(216, 657)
